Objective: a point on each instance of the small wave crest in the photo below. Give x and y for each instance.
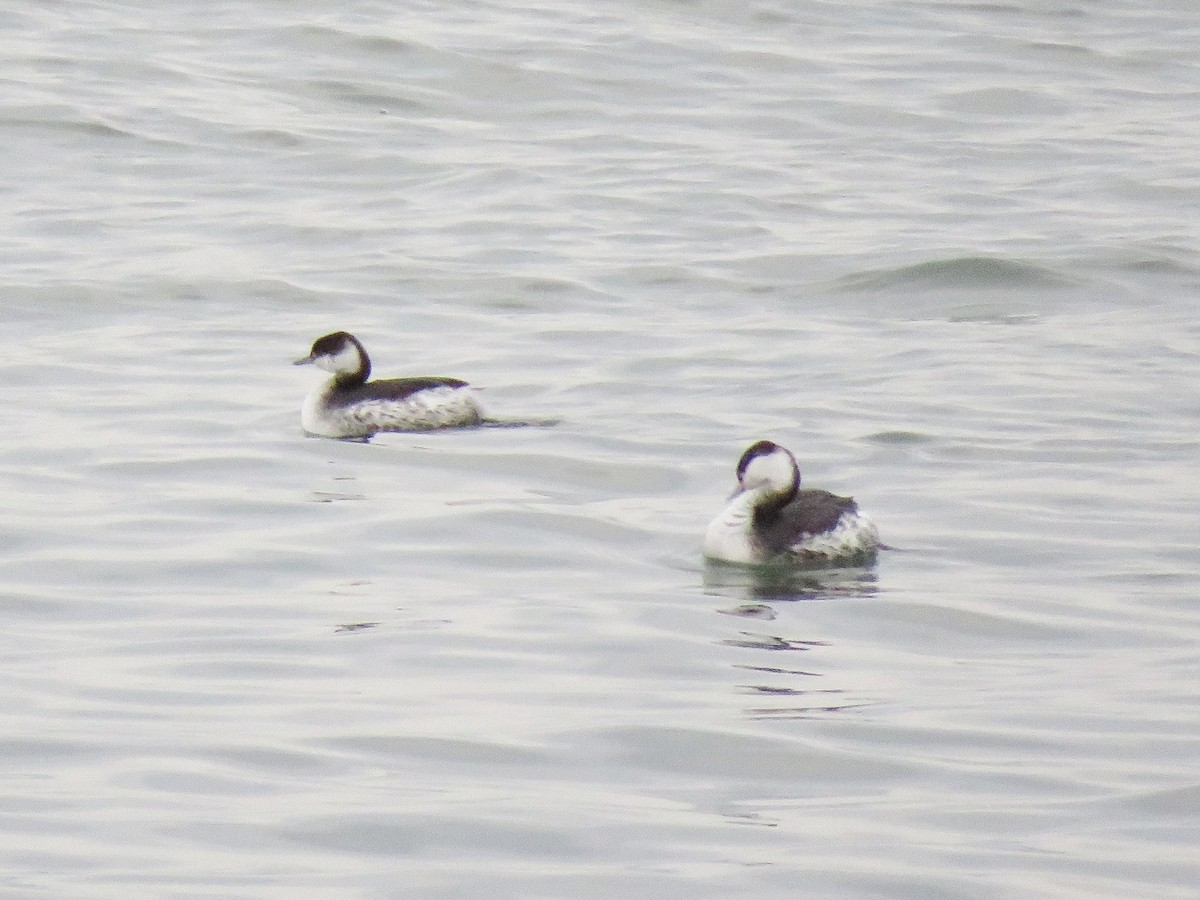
(973, 272)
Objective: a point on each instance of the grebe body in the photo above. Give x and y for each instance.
(769, 519)
(349, 406)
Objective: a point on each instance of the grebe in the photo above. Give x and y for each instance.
(770, 520)
(349, 406)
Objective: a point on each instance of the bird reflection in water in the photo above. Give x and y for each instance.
(766, 583)
(757, 589)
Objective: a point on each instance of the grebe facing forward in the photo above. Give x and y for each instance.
(349, 406)
(770, 520)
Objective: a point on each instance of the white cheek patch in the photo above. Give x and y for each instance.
(772, 469)
(343, 362)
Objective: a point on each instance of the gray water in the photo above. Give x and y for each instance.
(946, 252)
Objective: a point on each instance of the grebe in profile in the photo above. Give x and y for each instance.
(349, 406)
(770, 520)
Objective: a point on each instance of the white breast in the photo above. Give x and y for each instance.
(729, 535)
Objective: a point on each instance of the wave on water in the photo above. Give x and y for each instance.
(969, 272)
(967, 289)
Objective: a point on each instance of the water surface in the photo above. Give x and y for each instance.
(944, 252)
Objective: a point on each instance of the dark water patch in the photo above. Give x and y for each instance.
(547, 285)
(1059, 48)
(956, 274)
(335, 497)
(751, 641)
(749, 818)
(351, 627)
(387, 748)
(169, 779)
(991, 313)
(267, 760)
(750, 611)
(707, 753)
(407, 833)
(991, 103)
(24, 752)
(520, 423)
(332, 41)
(270, 138)
(959, 630)
(899, 438)
(815, 711)
(1171, 262)
(775, 670)
(385, 45)
(354, 93)
(68, 123)
(515, 293)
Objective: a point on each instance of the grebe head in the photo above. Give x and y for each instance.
(339, 353)
(766, 465)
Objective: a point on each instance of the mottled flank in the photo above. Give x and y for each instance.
(422, 404)
(816, 525)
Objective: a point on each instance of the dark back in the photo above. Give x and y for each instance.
(809, 512)
(391, 388)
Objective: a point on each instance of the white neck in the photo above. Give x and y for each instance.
(729, 534)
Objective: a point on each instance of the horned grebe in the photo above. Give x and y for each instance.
(349, 406)
(770, 520)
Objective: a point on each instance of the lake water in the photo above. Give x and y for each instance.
(946, 252)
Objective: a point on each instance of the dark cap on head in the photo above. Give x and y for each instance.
(758, 448)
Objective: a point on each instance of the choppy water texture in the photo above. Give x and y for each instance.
(946, 252)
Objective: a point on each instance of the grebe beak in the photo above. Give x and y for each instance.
(304, 361)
